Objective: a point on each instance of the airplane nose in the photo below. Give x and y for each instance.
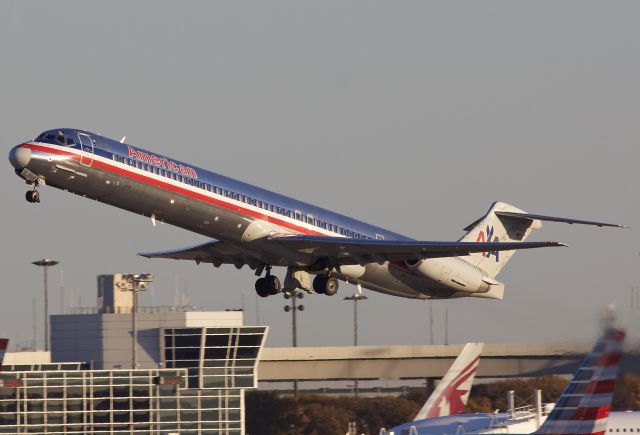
(20, 157)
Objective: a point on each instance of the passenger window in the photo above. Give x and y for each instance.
(49, 136)
(70, 141)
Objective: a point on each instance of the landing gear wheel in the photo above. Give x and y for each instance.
(261, 287)
(325, 285)
(319, 284)
(32, 196)
(268, 286)
(273, 284)
(331, 288)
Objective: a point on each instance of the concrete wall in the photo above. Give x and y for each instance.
(27, 358)
(420, 362)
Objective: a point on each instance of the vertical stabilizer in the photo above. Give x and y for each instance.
(495, 228)
(583, 407)
(4, 342)
(451, 395)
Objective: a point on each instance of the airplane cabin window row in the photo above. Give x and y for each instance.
(295, 214)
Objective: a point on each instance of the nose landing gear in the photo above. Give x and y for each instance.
(33, 196)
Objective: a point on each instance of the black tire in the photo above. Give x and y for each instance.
(261, 287)
(32, 196)
(331, 287)
(320, 284)
(273, 284)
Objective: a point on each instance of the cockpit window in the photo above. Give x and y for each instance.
(57, 136)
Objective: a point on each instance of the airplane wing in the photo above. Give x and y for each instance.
(341, 251)
(214, 251)
(344, 251)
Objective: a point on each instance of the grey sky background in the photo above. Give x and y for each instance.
(414, 116)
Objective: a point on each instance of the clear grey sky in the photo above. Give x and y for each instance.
(411, 115)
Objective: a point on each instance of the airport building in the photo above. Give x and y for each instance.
(190, 377)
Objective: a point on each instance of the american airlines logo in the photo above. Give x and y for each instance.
(487, 237)
(162, 162)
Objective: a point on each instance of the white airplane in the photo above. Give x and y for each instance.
(583, 407)
(252, 226)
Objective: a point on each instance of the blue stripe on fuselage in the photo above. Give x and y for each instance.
(106, 147)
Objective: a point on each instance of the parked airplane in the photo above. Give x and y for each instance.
(583, 407)
(452, 393)
(252, 226)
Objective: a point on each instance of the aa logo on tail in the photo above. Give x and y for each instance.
(487, 237)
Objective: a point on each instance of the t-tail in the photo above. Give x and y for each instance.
(451, 395)
(583, 407)
(4, 342)
(506, 223)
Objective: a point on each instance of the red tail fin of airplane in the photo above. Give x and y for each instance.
(583, 407)
(4, 342)
(451, 395)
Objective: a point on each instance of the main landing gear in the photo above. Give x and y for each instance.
(325, 285)
(269, 285)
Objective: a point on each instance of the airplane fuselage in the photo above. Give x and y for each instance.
(207, 203)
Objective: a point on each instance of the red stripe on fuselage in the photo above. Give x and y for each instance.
(182, 191)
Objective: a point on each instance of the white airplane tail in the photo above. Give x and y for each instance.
(583, 407)
(452, 393)
(495, 228)
(506, 223)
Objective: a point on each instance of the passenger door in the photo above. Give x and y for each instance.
(86, 145)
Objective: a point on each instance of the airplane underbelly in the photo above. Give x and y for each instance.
(146, 199)
(377, 277)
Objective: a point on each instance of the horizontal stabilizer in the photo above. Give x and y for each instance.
(539, 217)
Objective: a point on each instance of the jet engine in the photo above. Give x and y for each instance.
(453, 273)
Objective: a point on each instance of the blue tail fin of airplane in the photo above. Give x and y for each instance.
(583, 407)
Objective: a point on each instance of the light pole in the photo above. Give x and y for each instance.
(355, 297)
(294, 307)
(134, 283)
(45, 264)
